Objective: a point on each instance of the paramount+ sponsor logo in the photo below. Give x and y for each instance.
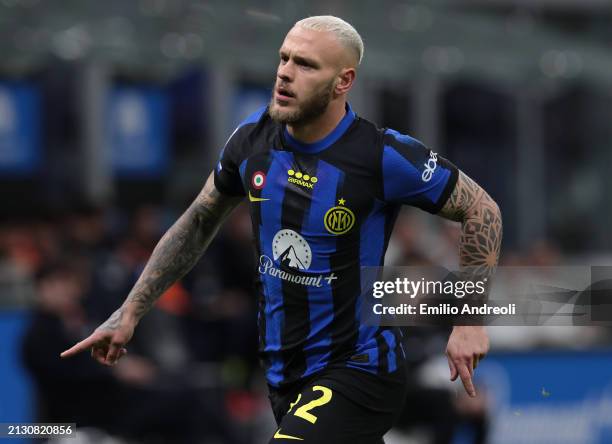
(301, 179)
(290, 252)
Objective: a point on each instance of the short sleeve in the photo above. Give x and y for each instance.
(227, 171)
(415, 175)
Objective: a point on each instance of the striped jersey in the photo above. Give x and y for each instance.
(320, 212)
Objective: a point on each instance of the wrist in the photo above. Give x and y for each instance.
(468, 327)
(131, 313)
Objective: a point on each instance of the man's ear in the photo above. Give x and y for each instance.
(346, 77)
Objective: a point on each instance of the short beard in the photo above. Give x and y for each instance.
(308, 111)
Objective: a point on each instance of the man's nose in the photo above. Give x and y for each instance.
(285, 72)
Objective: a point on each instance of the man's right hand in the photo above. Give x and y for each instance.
(107, 342)
(174, 255)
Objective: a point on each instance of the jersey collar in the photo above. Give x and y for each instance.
(325, 142)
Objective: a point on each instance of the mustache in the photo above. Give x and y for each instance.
(283, 89)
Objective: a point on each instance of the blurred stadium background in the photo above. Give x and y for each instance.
(111, 116)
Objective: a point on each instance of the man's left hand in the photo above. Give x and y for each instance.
(467, 345)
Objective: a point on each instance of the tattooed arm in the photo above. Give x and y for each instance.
(479, 246)
(175, 254)
(481, 225)
(180, 248)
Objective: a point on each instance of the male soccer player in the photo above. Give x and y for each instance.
(324, 188)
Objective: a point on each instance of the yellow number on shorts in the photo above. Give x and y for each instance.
(303, 412)
(294, 402)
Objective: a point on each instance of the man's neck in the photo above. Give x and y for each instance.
(317, 129)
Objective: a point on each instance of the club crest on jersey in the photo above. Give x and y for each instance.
(258, 180)
(339, 219)
(301, 179)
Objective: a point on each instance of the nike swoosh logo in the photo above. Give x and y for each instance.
(279, 435)
(256, 199)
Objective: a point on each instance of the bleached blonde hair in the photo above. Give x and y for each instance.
(344, 31)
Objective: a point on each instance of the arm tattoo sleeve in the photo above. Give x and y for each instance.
(481, 226)
(178, 250)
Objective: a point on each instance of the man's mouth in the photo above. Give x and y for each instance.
(284, 93)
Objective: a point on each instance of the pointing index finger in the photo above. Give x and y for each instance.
(466, 379)
(80, 346)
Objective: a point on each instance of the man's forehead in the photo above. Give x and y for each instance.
(311, 44)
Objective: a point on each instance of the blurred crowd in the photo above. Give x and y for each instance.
(191, 368)
(191, 373)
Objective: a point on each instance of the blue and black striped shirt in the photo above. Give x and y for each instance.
(320, 212)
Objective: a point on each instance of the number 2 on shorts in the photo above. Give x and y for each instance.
(304, 411)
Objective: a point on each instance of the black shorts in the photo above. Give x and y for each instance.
(340, 405)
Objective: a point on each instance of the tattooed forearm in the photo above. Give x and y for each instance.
(179, 249)
(113, 322)
(481, 232)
